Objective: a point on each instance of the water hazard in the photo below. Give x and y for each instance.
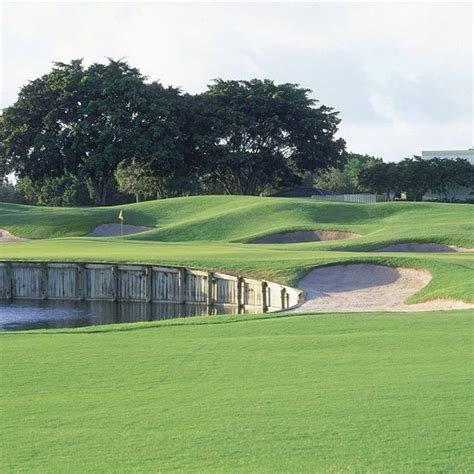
(19, 315)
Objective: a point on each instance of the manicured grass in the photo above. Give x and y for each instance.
(256, 393)
(242, 218)
(209, 232)
(326, 393)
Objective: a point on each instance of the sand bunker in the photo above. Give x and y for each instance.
(304, 236)
(415, 247)
(8, 237)
(112, 230)
(363, 287)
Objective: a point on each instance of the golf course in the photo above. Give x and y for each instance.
(352, 390)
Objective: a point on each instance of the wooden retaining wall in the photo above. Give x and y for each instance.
(141, 283)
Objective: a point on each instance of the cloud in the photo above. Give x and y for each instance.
(399, 73)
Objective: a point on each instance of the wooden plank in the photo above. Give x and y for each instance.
(197, 272)
(131, 267)
(166, 269)
(223, 276)
(26, 280)
(61, 281)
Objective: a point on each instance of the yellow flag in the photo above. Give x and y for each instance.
(120, 216)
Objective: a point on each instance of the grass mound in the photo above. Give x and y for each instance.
(244, 218)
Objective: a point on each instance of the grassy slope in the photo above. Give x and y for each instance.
(241, 218)
(208, 231)
(328, 393)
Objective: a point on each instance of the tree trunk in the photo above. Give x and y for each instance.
(100, 193)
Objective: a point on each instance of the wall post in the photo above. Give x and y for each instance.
(264, 296)
(114, 282)
(80, 282)
(9, 281)
(182, 285)
(148, 283)
(283, 298)
(44, 281)
(209, 296)
(240, 295)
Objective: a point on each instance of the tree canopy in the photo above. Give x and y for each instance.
(238, 137)
(83, 121)
(257, 133)
(415, 177)
(347, 177)
(88, 132)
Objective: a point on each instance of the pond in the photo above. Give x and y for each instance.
(19, 315)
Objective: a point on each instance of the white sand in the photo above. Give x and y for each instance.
(363, 287)
(415, 247)
(8, 237)
(304, 236)
(112, 230)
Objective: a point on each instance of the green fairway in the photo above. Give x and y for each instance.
(366, 392)
(327, 393)
(243, 218)
(211, 232)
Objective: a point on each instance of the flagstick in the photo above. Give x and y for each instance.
(121, 228)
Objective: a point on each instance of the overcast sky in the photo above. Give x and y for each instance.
(400, 74)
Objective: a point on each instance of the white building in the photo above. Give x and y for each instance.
(461, 193)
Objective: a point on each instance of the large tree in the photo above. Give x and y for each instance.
(239, 137)
(381, 178)
(335, 180)
(255, 134)
(112, 99)
(414, 177)
(165, 145)
(34, 131)
(447, 175)
(75, 119)
(346, 179)
(355, 164)
(137, 179)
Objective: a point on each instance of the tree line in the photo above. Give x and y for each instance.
(412, 176)
(80, 133)
(96, 135)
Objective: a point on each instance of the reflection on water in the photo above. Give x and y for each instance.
(20, 315)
